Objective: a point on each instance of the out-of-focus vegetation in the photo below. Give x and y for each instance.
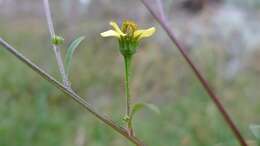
(33, 113)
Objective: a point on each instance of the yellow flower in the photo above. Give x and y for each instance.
(128, 35)
(128, 29)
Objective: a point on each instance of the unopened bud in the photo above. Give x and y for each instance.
(57, 40)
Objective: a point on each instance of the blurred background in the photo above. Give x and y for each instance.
(223, 40)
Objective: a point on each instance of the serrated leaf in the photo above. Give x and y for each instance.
(139, 106)
(70, 51)
(255, 129)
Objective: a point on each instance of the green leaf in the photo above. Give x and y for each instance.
(139, 106)
(255, 129)
(72, 47)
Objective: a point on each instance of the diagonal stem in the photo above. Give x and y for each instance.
(56, 49)
(202, 80)
(160, 8)
(68, 91)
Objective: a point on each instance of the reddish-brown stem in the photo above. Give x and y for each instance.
(202, 80)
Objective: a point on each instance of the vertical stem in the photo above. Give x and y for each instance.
(127, 60)
(127, 90)
(56, 49)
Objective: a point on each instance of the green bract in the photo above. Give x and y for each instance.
(128, 47)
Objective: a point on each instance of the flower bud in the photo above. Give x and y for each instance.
(57, 40)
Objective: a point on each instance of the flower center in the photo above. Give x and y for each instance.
(129, 27)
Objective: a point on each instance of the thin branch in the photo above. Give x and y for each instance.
(68, 91)
(56, 49)
(161, 9)
(164, 23)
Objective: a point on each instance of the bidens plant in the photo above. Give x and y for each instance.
(129, 37)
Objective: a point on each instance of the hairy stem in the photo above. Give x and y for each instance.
(56, 49)
(68, 91)
(127, 60)
(163, 22)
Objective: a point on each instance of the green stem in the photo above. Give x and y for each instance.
(127, 60)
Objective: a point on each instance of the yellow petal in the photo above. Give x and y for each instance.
(143, 33)
(110, 33)
(117, 29)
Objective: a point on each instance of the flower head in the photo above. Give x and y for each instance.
(128, 35)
